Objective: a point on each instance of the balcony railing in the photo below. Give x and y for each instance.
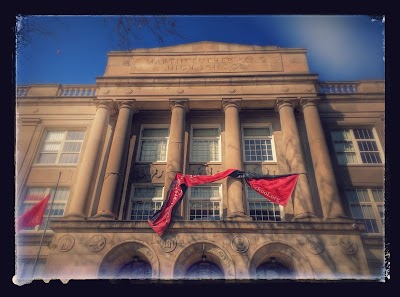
(337, 87)
(57, 90)
(77, 91)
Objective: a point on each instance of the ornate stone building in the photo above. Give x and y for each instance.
(108, 152)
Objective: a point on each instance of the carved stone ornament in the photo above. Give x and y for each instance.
(240, 244)
(347, 246)
(97, 243)
(168, 243)
(314, 245)
(66, 243)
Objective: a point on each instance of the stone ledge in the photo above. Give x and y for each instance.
(82, 226)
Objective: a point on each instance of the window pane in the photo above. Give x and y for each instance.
(205, 132)
(377, 194)
(256, 132)
(72, 147)
(155, 132)
(153, 150)
(47, 158)
(362, 207)
(54, 136)
(75, 135)
(205, 150)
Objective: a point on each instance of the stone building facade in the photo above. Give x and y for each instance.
(108, 152)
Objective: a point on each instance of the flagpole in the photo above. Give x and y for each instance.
(45, 226)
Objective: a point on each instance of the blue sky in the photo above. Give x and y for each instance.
(339, 47)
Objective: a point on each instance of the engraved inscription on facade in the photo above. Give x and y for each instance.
(347, 246)
(240, 244)
(206, 63)
(314, 245)
(66, 243)
(168, 244)
(97, 243)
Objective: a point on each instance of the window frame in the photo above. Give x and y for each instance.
(357, 152)
(60, 152)
(377, 216)
(211, 199)
(131, 199)
(47, 191)
(139, 148)
(271, 138)
(262, 200)
(202, 126)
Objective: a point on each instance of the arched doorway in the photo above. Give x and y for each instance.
(204, 269)
(272, 269)
(135, 269)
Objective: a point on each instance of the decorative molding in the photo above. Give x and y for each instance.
(97, 243)
(168, 243)
(66, 243)
(347, 246)
(314, 244)
(240, 244)
(237, 103)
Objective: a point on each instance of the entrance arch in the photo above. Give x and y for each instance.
(131, 260)
(279, 260)
(203, 260)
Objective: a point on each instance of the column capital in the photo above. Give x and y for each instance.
(309, 101)
(126, 103)
(232, 103)
(108, 104)
(182, 103)
(286, 101)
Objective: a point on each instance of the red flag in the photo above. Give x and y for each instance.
(277, 189)
(160, 220)
(33, 216)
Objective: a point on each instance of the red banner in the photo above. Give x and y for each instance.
(277, 189)
(33, 216)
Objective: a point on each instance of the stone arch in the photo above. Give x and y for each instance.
(123, 253)
(193, 253)
(285, 254)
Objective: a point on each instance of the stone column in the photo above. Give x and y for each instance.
(325, 177)
(114, 170)
(89, 161)
(302, 199)
(233, 159)
(175, 144)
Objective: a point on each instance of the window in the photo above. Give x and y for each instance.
(144, 202)
(205, 203)
(153, 144)
(34, 195)
(205, 145)
(262, 209)
(356, 146)
(258, 144)
(61, 147)
(366, 205)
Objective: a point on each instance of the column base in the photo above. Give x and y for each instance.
(104, 216)
(306, 217)
(238, 216)
(74, 216)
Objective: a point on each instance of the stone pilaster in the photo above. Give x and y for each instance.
(325, 177)
(176, 143)
(118, 151)
(233, 159)
(302, 199)
(90, 159)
